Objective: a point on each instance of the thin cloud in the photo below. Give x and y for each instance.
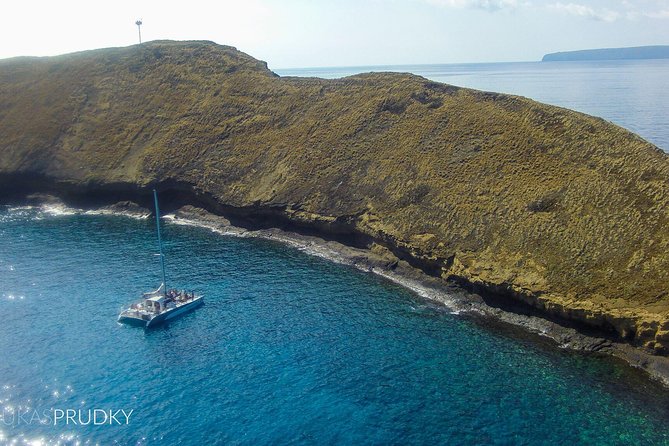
(662, 14)
(653, 9)
(585, 11)
(487, 5)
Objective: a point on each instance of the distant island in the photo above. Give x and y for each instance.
(638, 52)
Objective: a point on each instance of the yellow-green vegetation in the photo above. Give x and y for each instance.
(562, 210)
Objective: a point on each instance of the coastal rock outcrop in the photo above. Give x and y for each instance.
(563, 211)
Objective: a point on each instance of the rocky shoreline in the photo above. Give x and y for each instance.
(462, 298)
(453, 296)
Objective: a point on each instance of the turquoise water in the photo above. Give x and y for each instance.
(630, 93)
(288, 349)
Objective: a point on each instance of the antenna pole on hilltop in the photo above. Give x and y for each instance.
(139, 29)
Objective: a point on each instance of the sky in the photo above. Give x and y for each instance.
(320, 33)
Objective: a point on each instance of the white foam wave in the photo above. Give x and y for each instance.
(59, 209)
(218, 229)
(20, 208)
(426, 292)
(129, 214)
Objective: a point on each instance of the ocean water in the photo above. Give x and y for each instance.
(633, 94)
(288, 349)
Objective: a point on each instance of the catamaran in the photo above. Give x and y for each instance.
(162, 304)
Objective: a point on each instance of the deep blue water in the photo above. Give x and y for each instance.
(630, 93)
(288, 349)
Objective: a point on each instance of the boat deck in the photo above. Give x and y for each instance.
(174, 302)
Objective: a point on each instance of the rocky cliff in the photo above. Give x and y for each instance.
(564, 211)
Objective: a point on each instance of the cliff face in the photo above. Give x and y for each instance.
(562, 210)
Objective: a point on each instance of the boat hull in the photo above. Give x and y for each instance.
(175, 312)
(130, 320)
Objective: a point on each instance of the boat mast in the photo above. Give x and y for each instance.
(160, 242)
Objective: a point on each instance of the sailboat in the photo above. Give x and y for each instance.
(162, 304)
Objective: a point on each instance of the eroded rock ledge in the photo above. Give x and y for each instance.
(562, 211)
